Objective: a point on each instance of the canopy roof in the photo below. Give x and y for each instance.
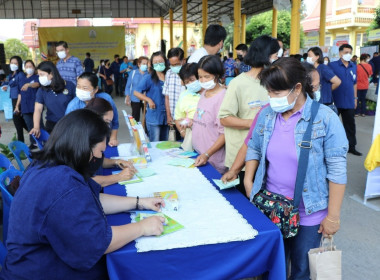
(218, 11)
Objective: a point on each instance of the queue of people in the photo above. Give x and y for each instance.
(251, 129)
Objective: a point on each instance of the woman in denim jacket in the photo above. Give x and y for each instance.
(272, 159)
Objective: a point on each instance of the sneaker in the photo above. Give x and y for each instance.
(354, 152)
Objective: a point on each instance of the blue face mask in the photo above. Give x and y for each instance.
(194, 87)
(176, 69)
(317, 95)
(143, 67)
(280, 104)
(159, 67)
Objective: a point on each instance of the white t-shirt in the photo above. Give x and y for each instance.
(197, 55)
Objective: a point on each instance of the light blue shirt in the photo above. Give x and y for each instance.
(133, 80)
(327, 157)
(76, 104)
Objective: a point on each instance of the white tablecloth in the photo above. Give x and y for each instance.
(207, 217)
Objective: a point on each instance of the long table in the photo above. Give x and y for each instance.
(234, 260)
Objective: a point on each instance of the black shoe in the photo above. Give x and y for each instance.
(354, 152)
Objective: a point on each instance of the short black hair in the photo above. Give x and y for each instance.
(230, 55)
(176, 52)
(72, 140)
(57, 83)
(153, 72)
(317, 52)
(88, 54)
(99, 106)
(242, 47)
(116, 55)
(260, 50)
(91, 77)
(188, 70)
(363, 56)
(214, 34)
(304, 56)
(19, 62)
(375, 53)
(212, 64)
(62, 43)
(309, 79)
(284, 74)
(345, 46)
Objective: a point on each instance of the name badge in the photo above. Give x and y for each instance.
(254, 104)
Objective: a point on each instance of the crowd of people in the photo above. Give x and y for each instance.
(246, 117)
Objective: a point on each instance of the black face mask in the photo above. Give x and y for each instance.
(94, 164)
(240, 57)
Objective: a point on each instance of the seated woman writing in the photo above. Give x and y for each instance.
(57, 223)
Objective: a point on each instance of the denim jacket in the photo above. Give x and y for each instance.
(327, 157)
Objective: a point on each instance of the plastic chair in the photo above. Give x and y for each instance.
(5, 178)
(17, 148)
(44, 136)
(5, 162)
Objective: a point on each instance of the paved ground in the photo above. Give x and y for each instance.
(359, 237)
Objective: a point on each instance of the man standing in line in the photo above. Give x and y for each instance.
(213, 43)
(69, 67)
(241, 51)
(115, 69)
(88, 63)
(345, 96)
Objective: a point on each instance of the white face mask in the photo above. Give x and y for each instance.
(280, 104)
(29, 71)
(317, 95)
(280, 52)
(309, 60)
(83, 95)
(325, 62)
(347, 57)
(61, 54)
(208, 85)
(14, 67)
(44, 81)
(367, 60)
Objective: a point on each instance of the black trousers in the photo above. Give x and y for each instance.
(348, 118)
(19, 123)
(117, 83)
(136, 109)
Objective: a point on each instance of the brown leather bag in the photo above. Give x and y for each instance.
(109, 82)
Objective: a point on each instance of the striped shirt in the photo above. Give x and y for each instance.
(172, 88)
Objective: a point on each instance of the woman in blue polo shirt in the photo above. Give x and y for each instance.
(55, 93)
(15, 79)
(152, 84)
(57, 223)
(87, 89)
(133, 80)
(27, 95)
(329, 81)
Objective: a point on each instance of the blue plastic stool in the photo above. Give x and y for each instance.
(5, 178)
(44, 136)
(5, 162)
(17, 148)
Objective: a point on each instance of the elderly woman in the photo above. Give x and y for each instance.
(57, 225)
(273, 156)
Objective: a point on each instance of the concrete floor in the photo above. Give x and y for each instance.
(359, 237)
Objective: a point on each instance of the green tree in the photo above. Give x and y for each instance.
(262, 25)
(375, 24)
(16, 47)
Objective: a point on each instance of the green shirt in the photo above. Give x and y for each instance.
(244, 98)
(186, 105)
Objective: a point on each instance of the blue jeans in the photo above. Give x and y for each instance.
(157, 132)
(296, 249)
(361, 108)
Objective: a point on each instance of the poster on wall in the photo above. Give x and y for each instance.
(102, 42)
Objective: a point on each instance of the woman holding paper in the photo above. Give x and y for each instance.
(57, 223)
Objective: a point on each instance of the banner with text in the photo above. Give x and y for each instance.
(102, 42)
